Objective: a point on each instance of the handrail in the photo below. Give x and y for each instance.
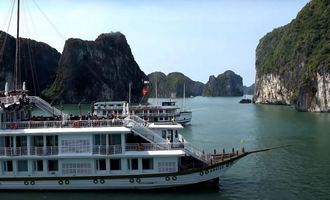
(195, 152)
(61, 124)
(45, 106)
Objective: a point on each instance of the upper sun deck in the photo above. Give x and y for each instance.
(64, 126)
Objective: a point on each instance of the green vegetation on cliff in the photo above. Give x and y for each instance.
(304, 42)
(173, 83)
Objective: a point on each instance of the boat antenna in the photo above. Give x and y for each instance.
(17, 59)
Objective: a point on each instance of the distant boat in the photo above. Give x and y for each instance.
(245, 100)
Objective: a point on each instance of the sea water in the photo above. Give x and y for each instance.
(299, 171)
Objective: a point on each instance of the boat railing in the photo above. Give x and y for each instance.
(97, 149)
(61, 124)
(196, 152)
(139, 126)
(10, 99)
(107, 149)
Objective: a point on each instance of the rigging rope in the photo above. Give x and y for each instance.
(49, 21)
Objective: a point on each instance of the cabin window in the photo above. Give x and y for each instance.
(147, 163)
(21, 141)
(52, 140)
(38, 141)
(8, 166)
(164, 134)
(52, 165)
(133, 164)
(2, 117)
(114, 139)
(115, 164)
(100, 140)
(167, 167)
(75, 146)
(22, 165)
(76, 168)
(100, 165)
(38, 165)
(9, 141)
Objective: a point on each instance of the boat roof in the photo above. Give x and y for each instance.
(156, 153)
(65, 130)
(167, 125)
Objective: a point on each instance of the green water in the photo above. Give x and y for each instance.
(301, 171)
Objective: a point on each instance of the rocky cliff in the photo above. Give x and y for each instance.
(226, 84)
(249, 90)
(99, 70)
(173, 83)
(293, 61)
(39, 63)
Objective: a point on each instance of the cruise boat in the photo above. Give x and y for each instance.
(57, 153)
(166, 112)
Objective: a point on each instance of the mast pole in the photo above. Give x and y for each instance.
(156, 91)
(17, 59)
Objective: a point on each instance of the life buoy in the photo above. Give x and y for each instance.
(167, 178)
(26, 182)
(174, 178)
(201, 173)
(32, 182)
(138, 180)
(67, 182)
(95, 181)
(206, 171)
(76, 124)
(102, 181)
(131, 180)
(13, 126)
(60, 182)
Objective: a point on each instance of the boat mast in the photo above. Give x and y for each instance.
(156, 92)
(129, 92)
(17, 59)
(184, 96)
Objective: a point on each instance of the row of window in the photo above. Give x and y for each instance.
(22, 165)
(132, 164)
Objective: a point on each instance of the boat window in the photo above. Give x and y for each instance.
(9, 141)
(21, 141)
(100, 139)
(52, 165)
(115, 164)
(147, 163)
(133, 164)
(22, 165)
(101, 165)
(38, 165)
(114, 139)
(164, 134)
(52, 140)
(8, 166)
(38, 141)
(176, 133)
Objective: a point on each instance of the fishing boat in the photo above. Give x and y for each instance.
(55, 152)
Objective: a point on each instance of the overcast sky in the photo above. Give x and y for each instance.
(196, 37)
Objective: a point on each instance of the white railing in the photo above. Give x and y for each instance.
(107, 150)
(60, 124)
(97, 149)
(45, 106)
(195, 152)
(139, 126)
(10, 99)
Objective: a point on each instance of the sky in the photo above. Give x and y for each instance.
(196, 37)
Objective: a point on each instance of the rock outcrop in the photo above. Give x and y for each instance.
(38, 66)
(226, 84)
(293, 61)
(173, 83)
(99, 70)
(249, 90)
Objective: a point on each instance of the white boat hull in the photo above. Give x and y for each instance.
(113, 182)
